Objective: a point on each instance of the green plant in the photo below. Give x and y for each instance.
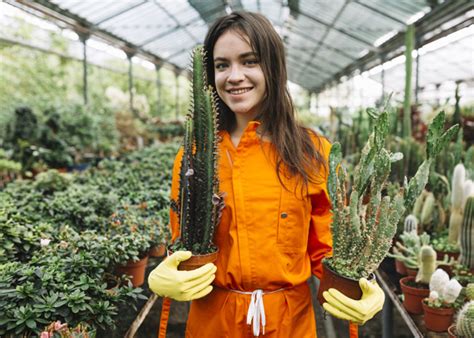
(467, 234)
(457, 207)
(465, 321)
(199, 202)
(443, 291)
(362, 234)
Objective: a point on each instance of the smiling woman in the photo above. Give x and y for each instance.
(274, 174)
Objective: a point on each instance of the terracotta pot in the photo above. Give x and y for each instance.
(411, 272)
(400, 267)
(413, 297)
(440, 255)
(157, 250)
(134, 269)
(197, 261)
(437, 319)
(452, 331)
(331, 279)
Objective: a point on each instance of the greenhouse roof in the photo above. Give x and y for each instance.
(324, 40)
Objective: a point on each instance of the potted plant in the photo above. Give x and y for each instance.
(199, 202)
(362, 233)
(438, 308)
(61, 330)
(464, 326)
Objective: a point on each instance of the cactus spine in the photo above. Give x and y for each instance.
(467, 235)
(199, 200)
(465, 321)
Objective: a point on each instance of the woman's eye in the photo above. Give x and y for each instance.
(251, 62)
(220, 66)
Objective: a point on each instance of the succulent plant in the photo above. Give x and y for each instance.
(457, 191)
(410, 224)
(465, 321)
(467, 235)
(362, 233)
(199, 203)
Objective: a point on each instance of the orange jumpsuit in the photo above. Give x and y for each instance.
(268, 239)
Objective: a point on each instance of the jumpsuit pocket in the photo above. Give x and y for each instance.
(291, 236)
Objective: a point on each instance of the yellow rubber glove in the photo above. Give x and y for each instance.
(167, 281)
(356, 311)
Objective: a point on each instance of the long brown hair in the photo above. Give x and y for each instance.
(297, 153)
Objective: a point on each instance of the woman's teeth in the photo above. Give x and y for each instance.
(239, 91)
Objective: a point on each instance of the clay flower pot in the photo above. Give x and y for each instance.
(158, 250)
(400, 267)
(411, 272)
(331, 279)
(413, 297)
(197, 261)
(134, 269)
(437, 319)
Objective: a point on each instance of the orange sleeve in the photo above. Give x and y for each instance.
(320, 237)
(174, 221)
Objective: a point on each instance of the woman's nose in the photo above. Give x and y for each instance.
(236, 74)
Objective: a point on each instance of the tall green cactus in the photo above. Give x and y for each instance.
(467, 235)
(362, 234)
(200, 203)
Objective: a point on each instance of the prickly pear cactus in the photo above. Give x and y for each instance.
(362, 234)
(199, 203)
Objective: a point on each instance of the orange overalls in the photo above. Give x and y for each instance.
(268, 239)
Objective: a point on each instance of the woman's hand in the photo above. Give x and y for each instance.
(167, 281)
(356, 311)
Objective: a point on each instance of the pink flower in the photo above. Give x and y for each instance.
(59, 327)
(45, 334)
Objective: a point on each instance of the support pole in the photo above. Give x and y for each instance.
(158, 86)
(387, 317)
(176, 74)
(382, 61)
(130, 54)
(83, 37)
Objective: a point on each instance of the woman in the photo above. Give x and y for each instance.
(274, 230)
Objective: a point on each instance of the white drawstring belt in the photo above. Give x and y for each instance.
(256, 311)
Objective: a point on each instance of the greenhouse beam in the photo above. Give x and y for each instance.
(84, 37)
(417, 70)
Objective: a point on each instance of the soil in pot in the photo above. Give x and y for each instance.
(197, 261)
(437, 319)
(134, 269)
(413, 293)
(331, 279)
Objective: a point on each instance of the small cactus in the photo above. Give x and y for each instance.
(470, 291)
(410, 224)
(427, 264)
(457, 202)
(465, 321)
(467, 235)
(427, 210)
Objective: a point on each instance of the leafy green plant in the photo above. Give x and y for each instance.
(199, 202)
(362, 233)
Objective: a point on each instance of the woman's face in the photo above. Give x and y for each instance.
(239, 79)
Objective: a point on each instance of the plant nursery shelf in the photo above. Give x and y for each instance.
(388, 279)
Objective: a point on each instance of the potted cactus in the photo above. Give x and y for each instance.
(438, 308)
(199, 204)
(464, 326)
(362, 233)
